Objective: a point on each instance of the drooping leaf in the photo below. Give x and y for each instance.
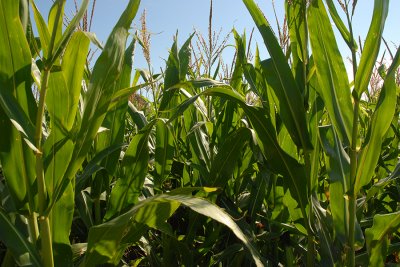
(137, 116)
(106, 240)
(23, 251)
(280, 161)
(378, 237)
(94, 165)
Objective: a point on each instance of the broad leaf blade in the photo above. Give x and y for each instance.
(17, 159)
(378, 237)
(371, 48)
(340, 25)
(334, 86)
(101, 89)
(73, 66)
(290, 99)
(134, 169)
(164, 152)
(338, 167)
(16, 242)
(380, 123)
(63, 41)
(42, 28)
(229, 153)
(107, 239)
(115, 118)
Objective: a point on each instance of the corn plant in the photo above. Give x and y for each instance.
(54, 151)
(284, 162)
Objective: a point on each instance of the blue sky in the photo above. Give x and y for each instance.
(165, 17)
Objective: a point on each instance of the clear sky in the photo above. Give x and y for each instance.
(165, 17)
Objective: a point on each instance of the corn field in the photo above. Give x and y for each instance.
(283, 161)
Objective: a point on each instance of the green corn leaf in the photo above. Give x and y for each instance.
(199, 143)
(55, 20)
(184, 58)
(177, 66)
(105, 240)
(100, 92)
(115, 118)
(380, 123)
(372, 46)
(164, 152)
(57, 151)
(73, 67)
(62, 104)
(316, 112)
(333, 87)
(212, 211)
(378, 237)
(134, 169)
(61, 217)
(290, 99)
(42, 28)
(280, 161)
(171, 75)
(63, 41)
(137, 116)
(94, 165)
(323, 226)
(256, 81)
(18, 118)
(122, 94)
(338, 167)
(24, 14)
(296, 22)
(241, 59)
(17, 105)
(258, 192)
(229, 153)
(23, 251)
(382, 183)
(351, 43)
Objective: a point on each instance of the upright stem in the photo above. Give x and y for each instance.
(352, 195)
(33, 227)
(44, 223)
(45, 231)
(310, 237)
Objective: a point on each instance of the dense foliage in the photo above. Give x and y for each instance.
(280, 161)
